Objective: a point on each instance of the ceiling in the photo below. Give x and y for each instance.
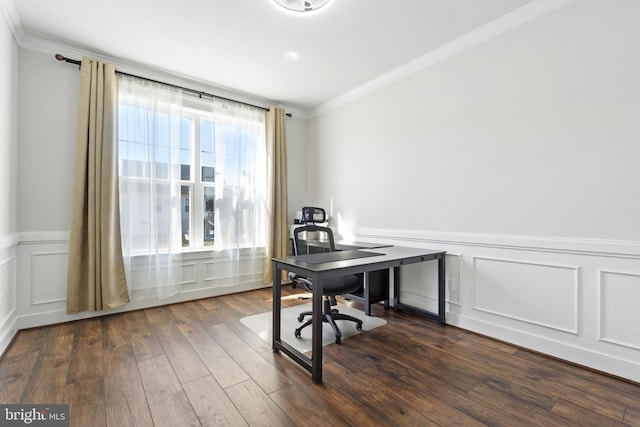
(240, 45)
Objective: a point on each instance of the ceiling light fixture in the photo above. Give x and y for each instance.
(302, 7)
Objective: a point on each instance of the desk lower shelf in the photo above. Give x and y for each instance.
(373, 289)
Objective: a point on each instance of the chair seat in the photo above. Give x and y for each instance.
(340, 285)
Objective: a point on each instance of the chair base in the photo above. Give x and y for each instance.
(328, 316)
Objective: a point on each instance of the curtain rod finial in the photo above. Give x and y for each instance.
(70, 61)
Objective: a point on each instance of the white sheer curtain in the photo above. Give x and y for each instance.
(151, 134)
(241, 171)
(193, 178)
(240, 190)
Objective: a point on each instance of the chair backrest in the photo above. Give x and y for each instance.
(311, 228)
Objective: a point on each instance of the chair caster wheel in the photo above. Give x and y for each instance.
(338, 340)
(297, 333)
(359, 326)
(300, 318)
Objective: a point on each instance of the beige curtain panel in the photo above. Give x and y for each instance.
(278, 233)
(96, 278)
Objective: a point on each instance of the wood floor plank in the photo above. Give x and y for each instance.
(115, 332)
(535, 396)
(437, 363)
(521, 371)
(306, 408)
(211, 404)
(582, 416)
(536, 415)
(184, 360)
(223, 367)
(631, 417)
(183, 313)
(159, 319)
(259, 369)
(592, 385)
(312, 405)
(125, 399)
(27, 341)
(256, 407)
(143, 340)
(15, 373)
(167, 400)
(367, 389)
(86, 360)
(347, 406)
(440, 392)
(251, 339)
(86, 402)
(49, 377)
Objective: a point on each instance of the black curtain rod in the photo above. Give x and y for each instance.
(199, 93)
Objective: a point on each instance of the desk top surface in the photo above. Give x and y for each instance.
(380, 257)
(343, 245)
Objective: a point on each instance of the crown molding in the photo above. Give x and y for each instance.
(499, 26)
(11, 16)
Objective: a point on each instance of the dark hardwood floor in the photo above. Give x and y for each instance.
(194, 364)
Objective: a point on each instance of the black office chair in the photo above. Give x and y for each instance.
(331, 287)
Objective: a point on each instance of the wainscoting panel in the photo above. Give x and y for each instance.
(574, 299)
(8, 266)
(223, 272)
(542, 294)
(42, 277)
(620, 308)
(7, 283)
(48, 277)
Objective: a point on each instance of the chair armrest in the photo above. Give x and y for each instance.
(302, 281)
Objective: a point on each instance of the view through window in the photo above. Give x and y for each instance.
(192, 171)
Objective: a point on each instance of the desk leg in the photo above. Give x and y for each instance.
(396, 288)
(316, 327)
(386, 301)
(441, 290)
(277, 305)
(365, 294)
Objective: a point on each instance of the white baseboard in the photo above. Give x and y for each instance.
(8, 330)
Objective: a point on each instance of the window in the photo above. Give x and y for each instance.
(192, 171)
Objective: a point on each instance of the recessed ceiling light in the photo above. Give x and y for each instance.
(302, 7)
(290, 56)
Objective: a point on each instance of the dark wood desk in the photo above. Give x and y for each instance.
(319, 267)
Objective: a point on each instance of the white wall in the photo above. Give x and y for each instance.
(49, 93)
(8, 144)
(297, 170)
(520, 157)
